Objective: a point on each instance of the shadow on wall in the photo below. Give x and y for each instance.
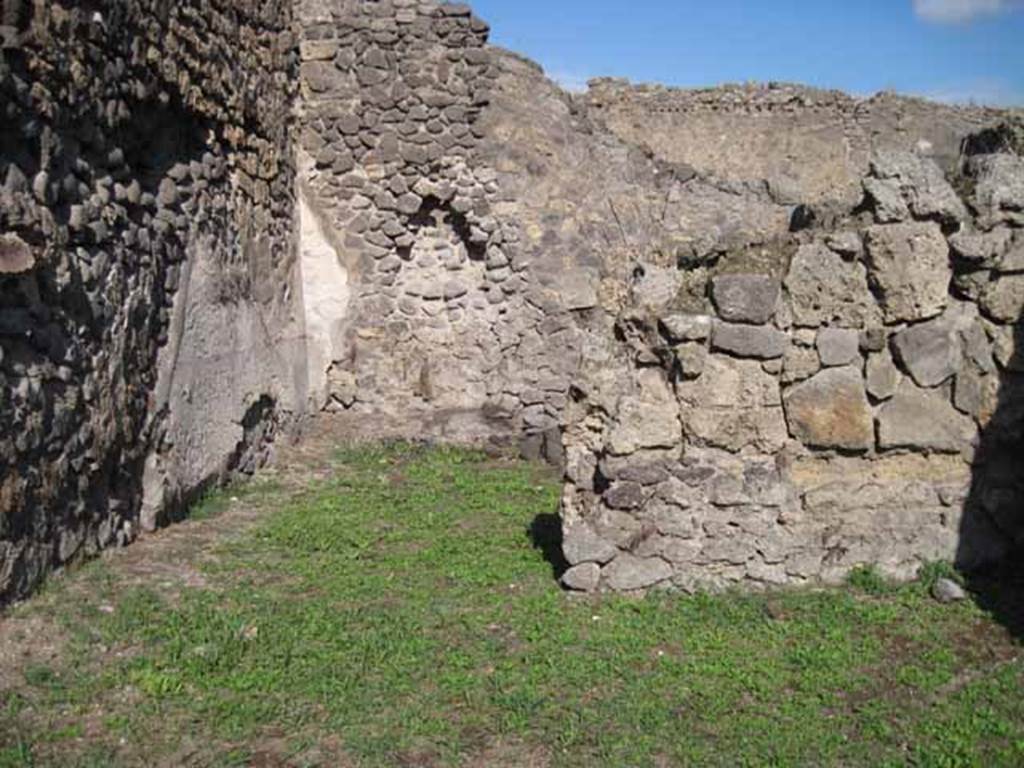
(994, 510)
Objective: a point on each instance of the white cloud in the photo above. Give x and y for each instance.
(961, 11)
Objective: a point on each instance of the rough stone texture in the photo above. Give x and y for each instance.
(745, 298)
(817, 144)
(584, 577)
(838, 346)
(930, 351)
(925, 420)
(760, 342)
(845, 432)
(644, 422)
(999, 187)
(831, 410)
(582, 545)
(628, 572)
(1003, 299)
(825, 288)
(733, 404)
(883, 377)
(948, 591)
(680, 328)
(921, 183)
(909, 265)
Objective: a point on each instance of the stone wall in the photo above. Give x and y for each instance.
(808, 145)
(441, 318)
(848, 394)
(767, 356)
(147, 329)
(771, 332)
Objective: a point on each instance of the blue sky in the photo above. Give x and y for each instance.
(951, 50)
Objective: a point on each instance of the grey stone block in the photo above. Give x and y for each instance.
(758, 342)
(745, 298)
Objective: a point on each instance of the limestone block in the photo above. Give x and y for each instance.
(322, 76)
(999, 185)
(921, 183)
(15, 255)
(581, 544)
(584, 577)
(823, 288)
(886, 200)
(883, 377)
(577, 287)
(758, 342)
(909, 265)
(730, 383)
(735, 429)
(644, 423)
(923, 419)
(625, 495)
(745, 298)
(657, 288)
(692, 358)
(981, 249)
(1008, 346)
(733, 550)
(1003, 298)
(831, 410)
(628, 572)
(735, 403)
(799, 363)
(1012, 260)
(682, 328)
(838, 346)
(318, 50)
(930, 351)
(645, 468)
(976, 394)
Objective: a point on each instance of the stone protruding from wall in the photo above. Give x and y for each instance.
(851, 399)
(147, 334)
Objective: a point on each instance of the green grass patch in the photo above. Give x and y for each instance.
(400, 614)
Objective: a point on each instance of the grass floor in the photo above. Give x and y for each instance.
(398, 613)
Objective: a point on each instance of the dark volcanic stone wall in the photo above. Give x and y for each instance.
(144, 167)
(444, 316)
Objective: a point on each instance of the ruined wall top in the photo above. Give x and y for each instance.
(810, 145)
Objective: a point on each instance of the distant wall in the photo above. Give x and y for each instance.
(808, 145)
(149, 340)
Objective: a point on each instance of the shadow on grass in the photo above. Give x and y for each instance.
(546, 534)
(1000, 591)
